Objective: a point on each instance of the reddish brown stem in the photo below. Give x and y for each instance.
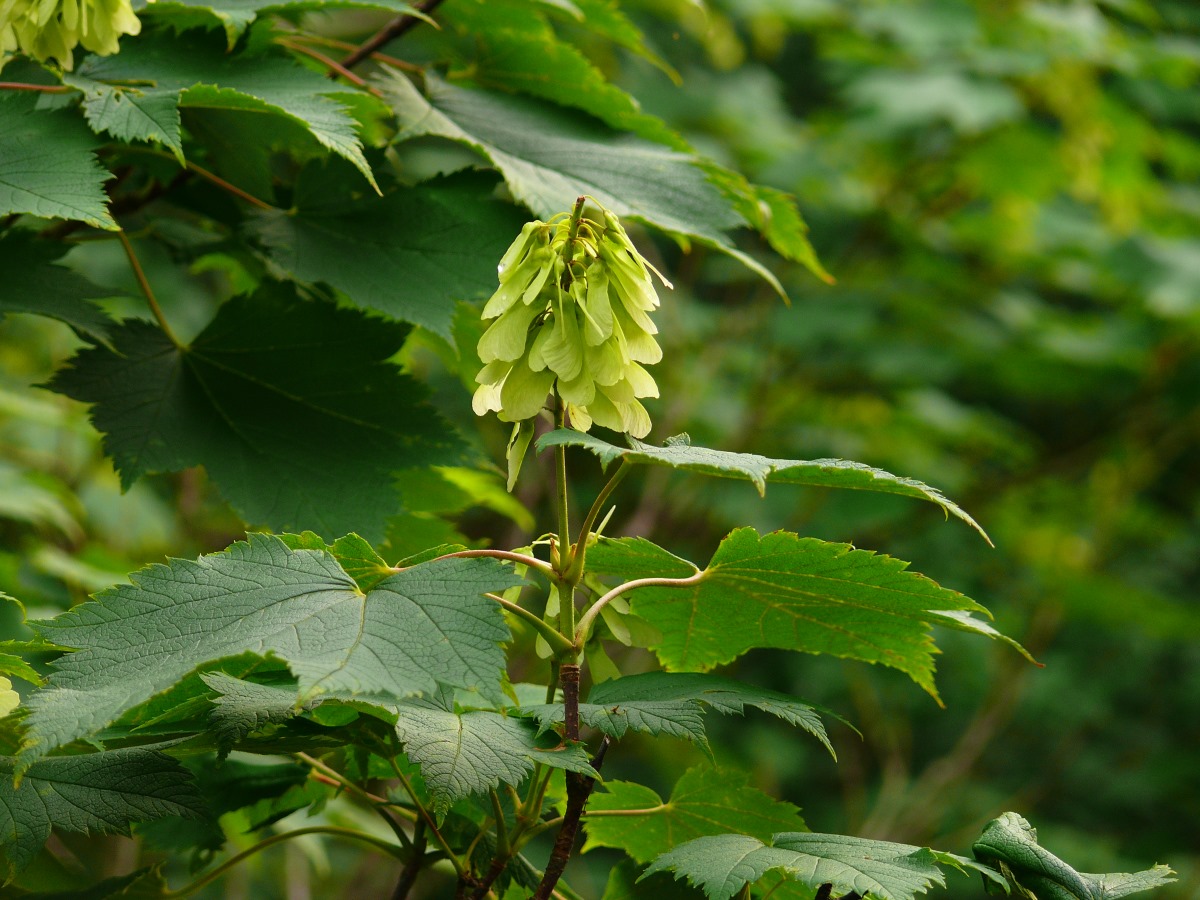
(387, 33)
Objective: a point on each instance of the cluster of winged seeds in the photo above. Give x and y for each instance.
(571, 316)
(50, 29)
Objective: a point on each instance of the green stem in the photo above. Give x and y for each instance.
(349, 833)
(140, 275)
(557, 642)
(649, 811)
(522, 558)
(565, 588)
(589, 617)
(430, 824)
(357, 791)
(585, 530)
(501, 826)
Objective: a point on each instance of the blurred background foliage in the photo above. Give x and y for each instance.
(1008, 195)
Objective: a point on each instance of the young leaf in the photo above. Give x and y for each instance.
(723, 864)
(671, 703)
(467, 753)
(101, 792)
(34, 284)
(298, 430)
(1009, 843)
(549, 157)
(409, 255)
(781, 590)
(170, 72)
(47, 167)
(678, 453)
(425, 625)
(705, 801)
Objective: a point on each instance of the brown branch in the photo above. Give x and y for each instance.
(579, 787)
(412, 868)
(43, 88)
(335, 67)
(389, 32)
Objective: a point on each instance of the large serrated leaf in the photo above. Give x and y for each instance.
(781, 590)
(705, 801)
(33, 283)
(550, 156)
(95, 792)
(299, 431)
(1010, 844)
(467, 753)
(47, 167)
(409, 255)
(423, 626)
(672, 703)
(678, 453)
(136, 95)
(234, 16)
(723, 864)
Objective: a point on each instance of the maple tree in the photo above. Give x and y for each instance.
(351, 214)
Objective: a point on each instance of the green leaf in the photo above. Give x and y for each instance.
(96, 792)
(705, 801)
(549, 157)
(243, 707)
(672, 703)
(47, 167)
(723, 864)
(1009, 843)
(635, 557)
(297, 429)
(678, 453)
(781, 590)
(409, 255)
(504, 44)
(136, 94)
(467, 753)
(423, 626)
(34, 284)
(354, 555)
(140, 884)
(235, 16)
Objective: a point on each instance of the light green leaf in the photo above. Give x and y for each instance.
(136, 94)
(635, 557)
(705, 801)
(781, 590)
(467, 753)
(672, 703)
(678, 453)
(410, 255)
(1010, 844)
(423, 626)
(34, 284)
(47, 167)
(234, 16)
(549, 157)
(722, 864)
(299, 431)
(36, 498)
(96, 792)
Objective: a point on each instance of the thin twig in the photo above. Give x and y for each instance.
(412, 868)
(508, 555)
(378, 803)
(333, 65)
(346, 45)
(430, 824)
(41, 88)
(140, 275)
(585, 623)
(389, 32)
(579, 788)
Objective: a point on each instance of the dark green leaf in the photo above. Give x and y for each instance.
(678, 453)
(549, 157)
(34, 284)
(298, 429)
(426, 625)
(47, 167)
(410, 255)
(234, 16)
(96, 792)
(705, 801)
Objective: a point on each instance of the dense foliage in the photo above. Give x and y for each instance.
(267, 245)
